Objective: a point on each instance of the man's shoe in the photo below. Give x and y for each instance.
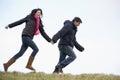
(59, 69)
(56, 70)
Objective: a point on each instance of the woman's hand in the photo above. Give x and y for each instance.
(6, 27)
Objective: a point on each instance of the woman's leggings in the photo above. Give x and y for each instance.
(27, 42)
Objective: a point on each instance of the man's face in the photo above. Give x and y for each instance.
(77, 23)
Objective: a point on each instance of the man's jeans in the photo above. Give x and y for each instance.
(64, 52)
(27, 42)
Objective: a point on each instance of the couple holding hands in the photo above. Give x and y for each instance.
(34, 26)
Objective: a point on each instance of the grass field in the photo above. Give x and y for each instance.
(44, 76)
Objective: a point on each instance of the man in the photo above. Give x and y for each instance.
(66, 43)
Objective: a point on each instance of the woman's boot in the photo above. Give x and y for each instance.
(6, 65)
(29, 64)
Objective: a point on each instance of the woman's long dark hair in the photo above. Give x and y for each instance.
(35, 10)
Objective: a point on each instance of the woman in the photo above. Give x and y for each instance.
(33, 27)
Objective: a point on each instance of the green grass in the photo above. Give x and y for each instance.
(44, 76)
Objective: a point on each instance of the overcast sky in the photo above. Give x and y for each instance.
(99, 34)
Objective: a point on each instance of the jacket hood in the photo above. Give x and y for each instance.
(70, 22)
(67, 21)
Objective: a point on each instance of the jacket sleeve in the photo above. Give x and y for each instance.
(78, 46)
(61, 33)
(43, 33)
(17, 22)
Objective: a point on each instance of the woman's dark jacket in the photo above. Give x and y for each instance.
(30, 27)
(67, 36)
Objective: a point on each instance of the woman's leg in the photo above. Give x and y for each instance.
(21, 52)
(31, 44)
(13, 59)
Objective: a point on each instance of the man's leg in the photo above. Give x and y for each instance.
(71, 56)
(61, 58)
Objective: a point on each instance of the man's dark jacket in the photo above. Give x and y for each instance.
(67, 36)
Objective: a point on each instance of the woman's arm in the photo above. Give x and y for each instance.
(17, 22)
(43, 33)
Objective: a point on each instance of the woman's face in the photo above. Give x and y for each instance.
(38, 13)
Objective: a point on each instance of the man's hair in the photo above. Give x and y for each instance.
(77, 19)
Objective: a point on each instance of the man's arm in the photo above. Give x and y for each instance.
(61, 33)
(78, 46)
